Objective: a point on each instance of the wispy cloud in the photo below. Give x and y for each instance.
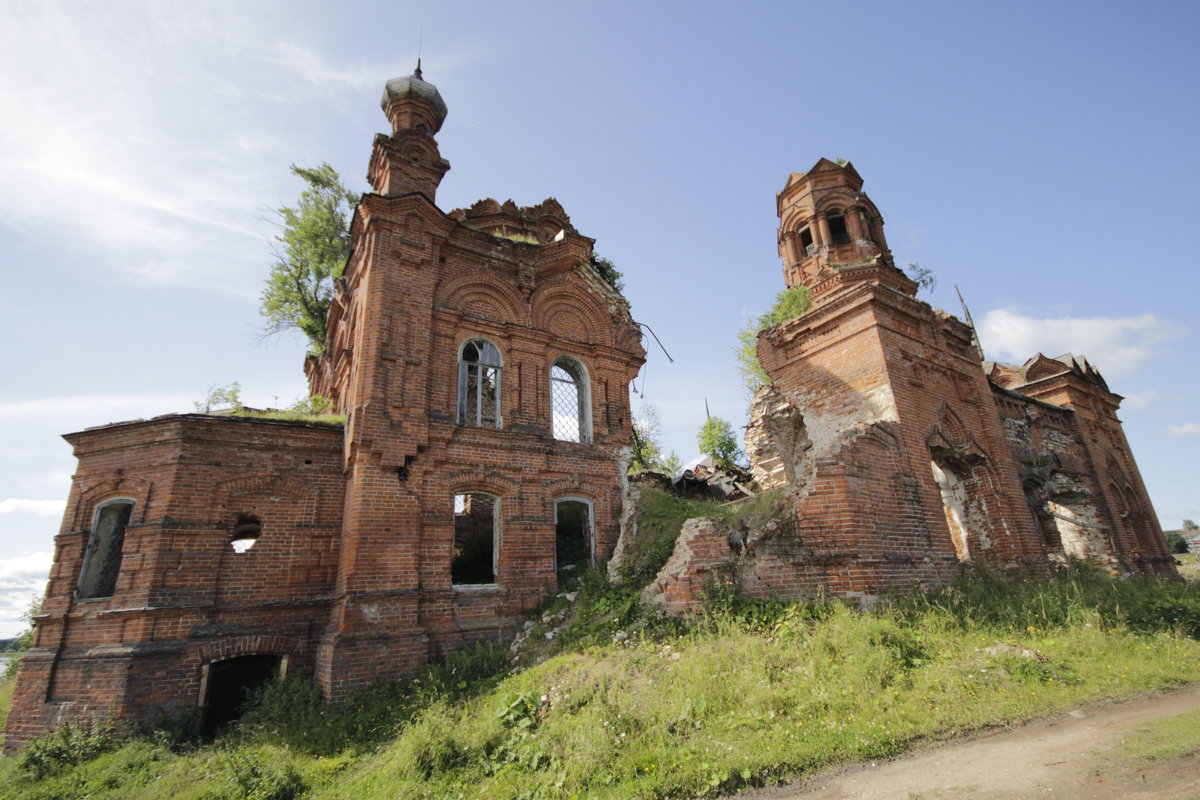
(1142, 400)
(1117, 346)
(43, 508)
(129, 404)
(1186, 429)
(144, 127)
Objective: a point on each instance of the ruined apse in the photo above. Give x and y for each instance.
(904, 457)
(483, 368)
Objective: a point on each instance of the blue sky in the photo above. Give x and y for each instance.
(1041, 156)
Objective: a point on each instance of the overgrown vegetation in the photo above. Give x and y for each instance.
(789, 303)
(715, 438)
(647, 445)
(314, 246)
(604, 699)
(608, 271)
(228, 399)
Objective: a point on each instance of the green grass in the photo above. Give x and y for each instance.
(620, 703)
(1164, 739)
(1189, 565)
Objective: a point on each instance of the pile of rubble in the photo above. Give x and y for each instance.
(703, 480)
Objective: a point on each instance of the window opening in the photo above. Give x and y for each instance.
(479, 384)
(837, 227)
(572, 538)
(102, 558)
(228, 688)
(806, 241)
(245, 532)
(474, 560)
(568, 401)
(954, 502)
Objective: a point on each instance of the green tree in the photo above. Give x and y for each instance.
(313, 249)
(221, 397)
(647, 445)
(716, 439)
(788, 304)
(1176, 543)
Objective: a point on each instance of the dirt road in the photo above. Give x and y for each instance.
(1078, 755)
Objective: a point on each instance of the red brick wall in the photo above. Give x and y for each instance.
(183, 594)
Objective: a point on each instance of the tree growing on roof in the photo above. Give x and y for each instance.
(788, 304)
(314, 246)
(716, 439)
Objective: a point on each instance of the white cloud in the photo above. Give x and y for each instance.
(1117, 346)
(1142, 400)
(146, 125)
(21, 579)
(1186, 429)
(42, 508)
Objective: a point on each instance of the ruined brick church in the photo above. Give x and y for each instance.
(483, 367)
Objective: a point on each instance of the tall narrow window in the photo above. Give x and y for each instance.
(568, 401)
(474, 559)
(102, 558)
(572, 538)
(837, 227)
(479, 384)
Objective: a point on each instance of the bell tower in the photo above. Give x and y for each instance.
(831, 234)
(408, 160)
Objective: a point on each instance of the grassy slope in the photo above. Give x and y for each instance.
(753, 693)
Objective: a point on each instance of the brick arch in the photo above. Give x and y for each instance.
(95, 493)
(569, 487)
(255, 484)
(236, 646)
(571, 314)
(950, 439)
(482, 295)
(839, 200)
(298, 493)
(480, 480)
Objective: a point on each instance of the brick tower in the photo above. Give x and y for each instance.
(483, 365)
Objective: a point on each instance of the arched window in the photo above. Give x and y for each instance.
(479, 384)
(102, 558)
(569, 401)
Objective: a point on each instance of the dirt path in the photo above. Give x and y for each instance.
(1077, 755)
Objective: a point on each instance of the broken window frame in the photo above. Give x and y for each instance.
(495, 565)
(101, 565)
(808, 244)
(480, 370)
(576, 376)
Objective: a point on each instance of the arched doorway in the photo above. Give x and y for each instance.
(228, 685)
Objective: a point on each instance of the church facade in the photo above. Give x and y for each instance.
(482, 364)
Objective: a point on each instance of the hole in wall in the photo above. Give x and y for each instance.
(246, 531)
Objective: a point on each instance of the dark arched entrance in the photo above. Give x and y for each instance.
(228, 687)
